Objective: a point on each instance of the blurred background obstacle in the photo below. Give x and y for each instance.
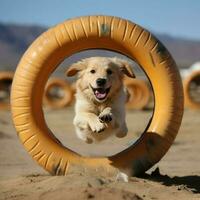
(58, 93)
(6, 78)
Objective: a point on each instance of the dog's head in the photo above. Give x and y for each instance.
(100, 77)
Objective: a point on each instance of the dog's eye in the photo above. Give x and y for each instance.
(109, 72)
(92, 71)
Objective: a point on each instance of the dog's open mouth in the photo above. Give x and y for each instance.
(100, 93)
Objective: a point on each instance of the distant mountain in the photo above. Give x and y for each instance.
(15, 39)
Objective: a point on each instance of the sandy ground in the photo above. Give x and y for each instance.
(176, 176)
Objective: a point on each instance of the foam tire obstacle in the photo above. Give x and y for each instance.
(139, 93)
(102, 32)
(64, 96)
(190, 102)
(6, 78)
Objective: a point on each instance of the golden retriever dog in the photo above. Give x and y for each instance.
(100, 97)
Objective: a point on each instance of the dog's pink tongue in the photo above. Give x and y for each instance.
(100, 95)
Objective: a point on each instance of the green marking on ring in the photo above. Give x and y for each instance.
(104, 29)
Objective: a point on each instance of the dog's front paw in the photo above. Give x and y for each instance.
(105, 118)
(97, 127)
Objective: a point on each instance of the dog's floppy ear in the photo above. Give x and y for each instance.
(125, 67)
(75, 68)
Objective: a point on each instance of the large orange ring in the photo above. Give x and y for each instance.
(189, 101)
(76, 35)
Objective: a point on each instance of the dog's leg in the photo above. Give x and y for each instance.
(106, 116)
(122, 131)
(83, 134)
(82, 129)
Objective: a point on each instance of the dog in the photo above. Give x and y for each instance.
(100, 97)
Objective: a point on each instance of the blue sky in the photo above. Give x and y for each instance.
(175, 17)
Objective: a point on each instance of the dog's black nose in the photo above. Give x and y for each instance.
(101, 81)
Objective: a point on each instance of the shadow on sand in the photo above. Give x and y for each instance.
(191, 183)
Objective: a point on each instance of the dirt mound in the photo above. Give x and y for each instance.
(89, 193)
